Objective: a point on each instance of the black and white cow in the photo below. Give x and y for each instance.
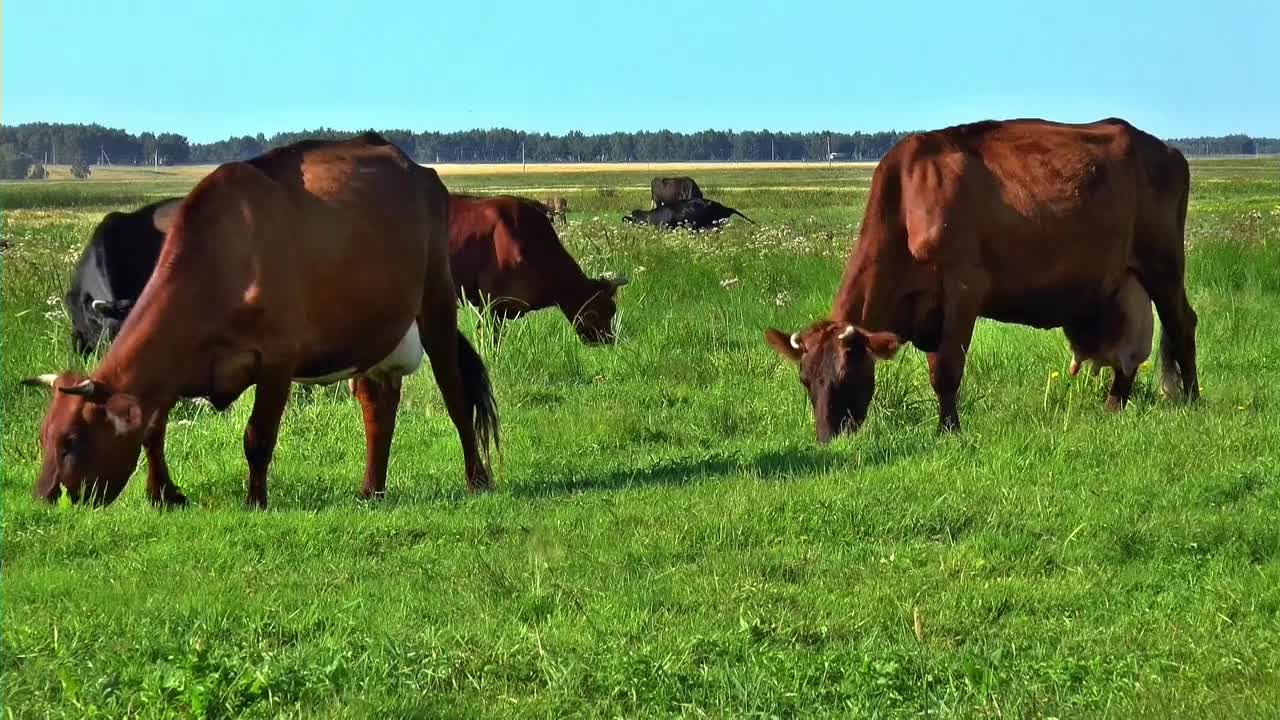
(113, 269)
(697, 214)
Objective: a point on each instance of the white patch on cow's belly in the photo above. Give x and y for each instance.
(404, 360)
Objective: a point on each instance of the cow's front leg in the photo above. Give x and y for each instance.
(260, 435)
(160, 488)
(946, 369)
(1121, 388)
(946, 364)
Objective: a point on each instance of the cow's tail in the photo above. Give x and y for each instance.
(744, 217)
(1170, 372)
(1170, 369)
(479, 393)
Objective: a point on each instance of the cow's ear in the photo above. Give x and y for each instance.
(124, 412)
(781, 343)
(163, 217)
(881, 345)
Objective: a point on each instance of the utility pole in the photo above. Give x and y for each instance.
(772, 156)
(524, 167)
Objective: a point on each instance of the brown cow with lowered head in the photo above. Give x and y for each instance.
(1023, 221)
(315, 262)
(504, 251)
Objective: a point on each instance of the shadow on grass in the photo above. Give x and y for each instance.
(780, 465)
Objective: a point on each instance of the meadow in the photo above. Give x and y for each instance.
(666, 537)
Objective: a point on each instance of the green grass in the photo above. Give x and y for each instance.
(667, 539)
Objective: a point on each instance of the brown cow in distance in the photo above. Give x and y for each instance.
(1022, 221)
(557, 207)
(669, 191)
(504, 251)
(315, 262)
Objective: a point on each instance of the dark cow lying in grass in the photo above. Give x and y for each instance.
(696, 214)
(1025, 221)
(316, 262)
(113, 269)
(669, 191)
(504, 251)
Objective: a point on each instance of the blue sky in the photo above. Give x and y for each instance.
(212, 69)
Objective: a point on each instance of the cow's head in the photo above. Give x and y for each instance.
(90, 440)
(837, 368)
(110, 314)
(96, 320)
(594, 320)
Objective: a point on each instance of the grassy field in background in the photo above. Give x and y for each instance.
(666, 538)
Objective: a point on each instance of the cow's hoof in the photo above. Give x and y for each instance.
(169, 500)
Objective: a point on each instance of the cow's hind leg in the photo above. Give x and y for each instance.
(1161, 255)
(260, 435)
(379, 400)
(1178, 374)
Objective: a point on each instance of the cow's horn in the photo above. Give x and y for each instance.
(84, 388)
(99, 305)
(795, 341)
(45, 380)
(846, 333)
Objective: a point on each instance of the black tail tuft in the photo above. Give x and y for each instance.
(744, 217)
(475, 381)
(1170, 372)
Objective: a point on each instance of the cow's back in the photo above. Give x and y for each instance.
(307, 247)
(1043, 216)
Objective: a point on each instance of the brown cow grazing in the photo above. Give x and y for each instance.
(669, 191)
(1023, 221)
(315, 262)
(505, 252)
(557, 207)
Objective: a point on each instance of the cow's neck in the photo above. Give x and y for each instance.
(159, 351)
(873, 284)
(575, 290)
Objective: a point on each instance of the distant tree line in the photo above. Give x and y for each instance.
(25, 148)
(501, 145)
(1227, 145)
